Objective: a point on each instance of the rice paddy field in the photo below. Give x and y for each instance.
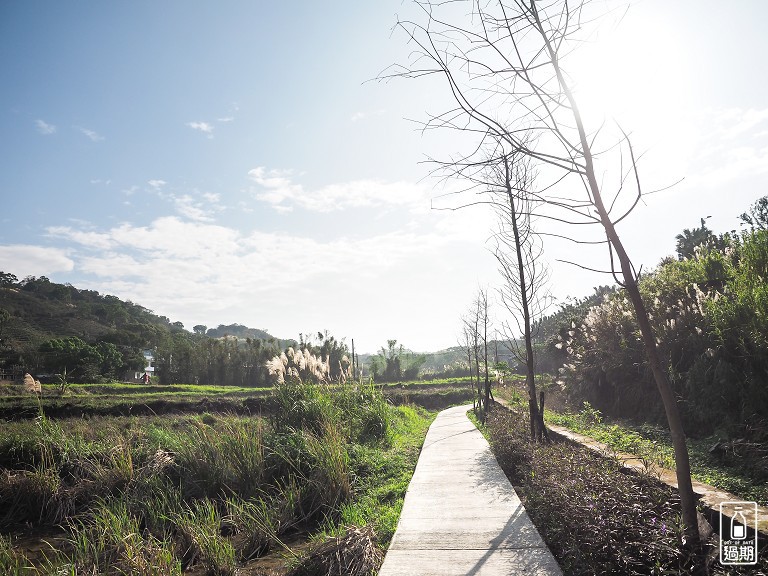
(127, 479)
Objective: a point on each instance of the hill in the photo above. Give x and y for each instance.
(238, 331)
(39, 317)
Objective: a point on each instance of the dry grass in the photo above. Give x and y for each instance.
(354, 553)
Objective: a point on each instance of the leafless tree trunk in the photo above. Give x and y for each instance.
(482, 307)
(466, 344)
(503, 62)
(525, 275)
(475, 336)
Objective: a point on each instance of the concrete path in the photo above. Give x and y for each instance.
(461, 515)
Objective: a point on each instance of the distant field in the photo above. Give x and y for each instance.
(123, 399)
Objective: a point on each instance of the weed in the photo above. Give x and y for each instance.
(354, 553)
(12, 563)
(110, 540)
(255, 525)
(199, 539)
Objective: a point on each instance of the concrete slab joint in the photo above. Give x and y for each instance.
(461, 515)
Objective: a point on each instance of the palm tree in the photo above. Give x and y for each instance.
(689, 240)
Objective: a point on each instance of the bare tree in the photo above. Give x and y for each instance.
(466, 344)
(476, 324)
(519, 253)
(505, 67)
(485, 319)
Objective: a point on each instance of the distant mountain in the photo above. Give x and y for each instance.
(238, 331)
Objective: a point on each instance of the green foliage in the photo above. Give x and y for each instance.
(689, 241)
(394, 363)
(709, 313)
(159, 494)
(757, 216)
(46, 324)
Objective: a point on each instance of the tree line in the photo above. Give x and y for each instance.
(709, 310)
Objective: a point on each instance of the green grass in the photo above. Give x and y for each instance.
(214, 489)
(457, 381)
(381, 474)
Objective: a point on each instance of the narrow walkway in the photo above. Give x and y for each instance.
(461, 515)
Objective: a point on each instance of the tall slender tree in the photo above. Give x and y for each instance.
(506, 70)
(519, 253)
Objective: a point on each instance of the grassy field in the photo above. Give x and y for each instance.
(211, 493)
(120, 399)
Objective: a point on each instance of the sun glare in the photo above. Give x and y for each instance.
(630, 72)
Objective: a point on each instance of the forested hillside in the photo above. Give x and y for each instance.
(50, 328)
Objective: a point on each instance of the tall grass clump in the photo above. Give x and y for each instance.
(12, 562)
(255, 526)
(358, 409)
(199, 539)
(110, 541)
(215, 460)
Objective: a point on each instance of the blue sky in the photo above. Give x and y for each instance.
(230, 162)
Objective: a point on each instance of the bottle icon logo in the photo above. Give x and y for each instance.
(738, 533)
(738, 525)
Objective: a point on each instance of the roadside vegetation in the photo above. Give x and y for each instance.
(740, 468)
(596, 517)
(709, 309)
(210, 493)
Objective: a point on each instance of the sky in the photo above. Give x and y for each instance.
(237, 162)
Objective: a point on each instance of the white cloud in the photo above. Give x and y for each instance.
(26, 260)
(202, 127)
(226, 119)
(95, 240)
(734, 122)
(731, 146)
(45, 128)
(91, 134)
(357, 116)
(157, 184)
(276, 187)
(200, 272)
(189, 207)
